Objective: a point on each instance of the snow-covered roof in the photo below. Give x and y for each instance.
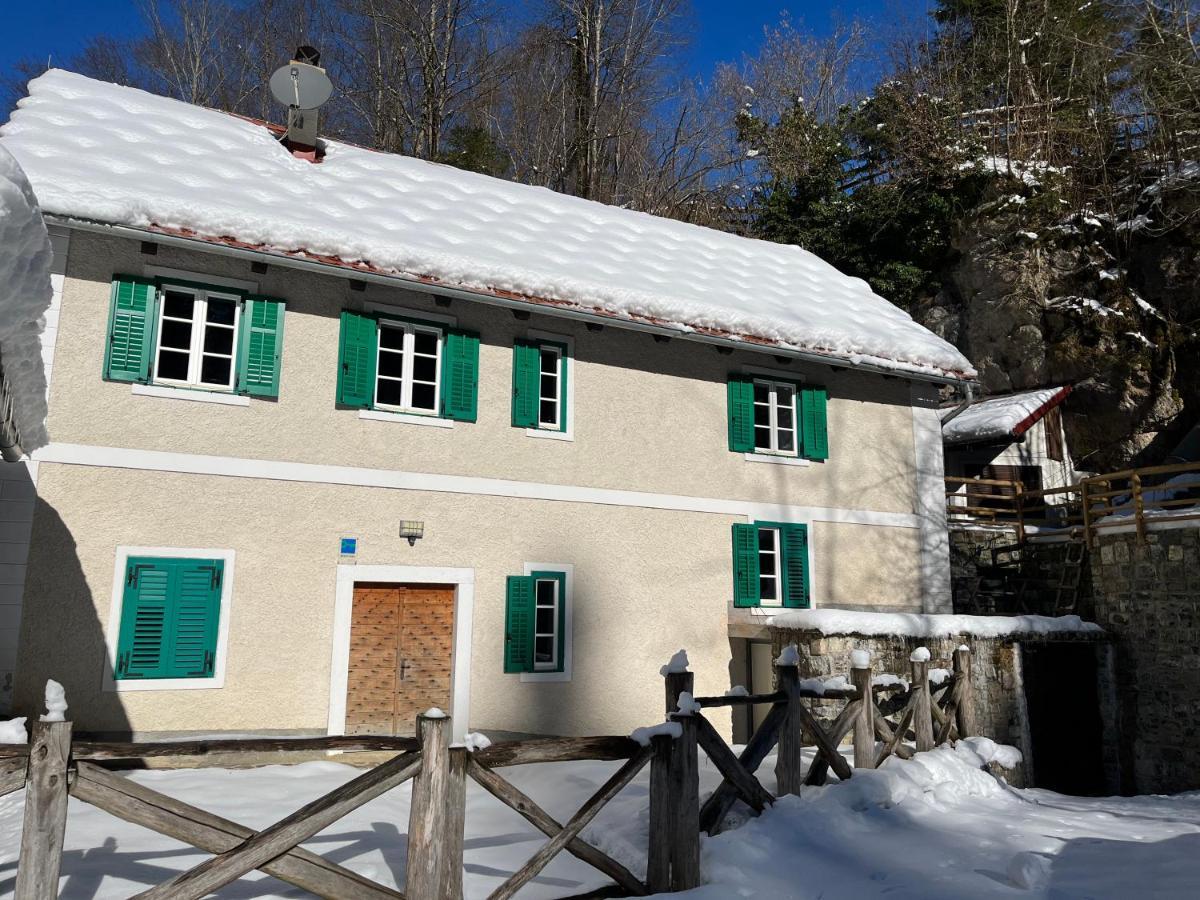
(1002, 418)
(117, 155)
(25, 295)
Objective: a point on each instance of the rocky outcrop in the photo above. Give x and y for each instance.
(1036, 298)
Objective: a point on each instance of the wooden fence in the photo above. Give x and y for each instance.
(1083, 510)
(880, 719)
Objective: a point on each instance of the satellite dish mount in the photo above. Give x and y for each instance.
(303, 87)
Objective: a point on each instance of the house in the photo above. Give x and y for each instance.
(333, 442)
(1015, 437)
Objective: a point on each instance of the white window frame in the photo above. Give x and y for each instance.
(556, 603)
(200, 325)
(559, 369)
(565, 430)
(112, 628)
(406, 380)
(567, 622)
(777, 552)
(773, 388)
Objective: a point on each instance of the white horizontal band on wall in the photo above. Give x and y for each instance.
(313, 473)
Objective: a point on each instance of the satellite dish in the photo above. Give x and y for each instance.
(301, 86)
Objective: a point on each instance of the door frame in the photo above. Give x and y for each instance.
(348, 576)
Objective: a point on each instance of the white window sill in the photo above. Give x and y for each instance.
(549, 434)
(166, 684)
(380, 415)
(545, 676)
(777, 460)
(196, 396)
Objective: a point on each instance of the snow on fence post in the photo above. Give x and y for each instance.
(789, 760)
(673, 860)
(922, 704)
(965, 711)
(864, 722)
(45, 820)
(429, 819)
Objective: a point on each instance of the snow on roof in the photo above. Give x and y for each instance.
(1002, 418)
(121, 156)
(921, 625)
(25, 295)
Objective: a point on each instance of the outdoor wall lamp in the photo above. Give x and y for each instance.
(412, 530)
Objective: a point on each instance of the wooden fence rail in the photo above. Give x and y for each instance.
(883, 720)
(1085, 509)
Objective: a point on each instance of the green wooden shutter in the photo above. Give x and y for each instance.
(145, 618)
(460, 376)
(170, 613)
(815, 432)
(794, 541)
(192, 644)
(526, 362)
(518, 624)
(131, 321)
(745, 565)
(741, 414)
(358, 348)
(260, 347)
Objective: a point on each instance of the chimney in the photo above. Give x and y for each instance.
(303, 87)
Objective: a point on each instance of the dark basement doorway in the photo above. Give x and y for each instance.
(1065, 726)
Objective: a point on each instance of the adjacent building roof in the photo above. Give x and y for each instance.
(120, 156)
(1002, 418)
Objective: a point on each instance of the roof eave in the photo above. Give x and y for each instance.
(596, 316)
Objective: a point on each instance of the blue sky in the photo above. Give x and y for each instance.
(725, 28)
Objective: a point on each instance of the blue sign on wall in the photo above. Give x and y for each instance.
(349, 546)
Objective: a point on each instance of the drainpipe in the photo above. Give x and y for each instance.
(10, 438)
(968, 399)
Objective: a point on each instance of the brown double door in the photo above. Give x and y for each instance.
(401, 646)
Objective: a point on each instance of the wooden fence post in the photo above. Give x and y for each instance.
(45, 811)
(673, 860)
(922, 704)
(430, 817)
(454, 822)
(789, 760)
(684, 768)
(658, 857)
(965, 711)
(864, 721)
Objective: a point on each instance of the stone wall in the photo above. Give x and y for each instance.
(1147, 595)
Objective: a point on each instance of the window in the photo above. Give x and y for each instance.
(169, 618)
(545, 624)
(773, 417)
(550, 387)
(409, 371)
(770, 564)
(407, 366)
(197, 332)
(540, 383)
(193, 336)
(535, 622)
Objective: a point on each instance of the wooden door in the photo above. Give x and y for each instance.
(401, 649)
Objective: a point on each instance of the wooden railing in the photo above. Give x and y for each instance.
(53, 767)
(1134, 496)
(1082, 510)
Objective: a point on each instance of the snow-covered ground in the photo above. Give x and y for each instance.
(933, 827)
